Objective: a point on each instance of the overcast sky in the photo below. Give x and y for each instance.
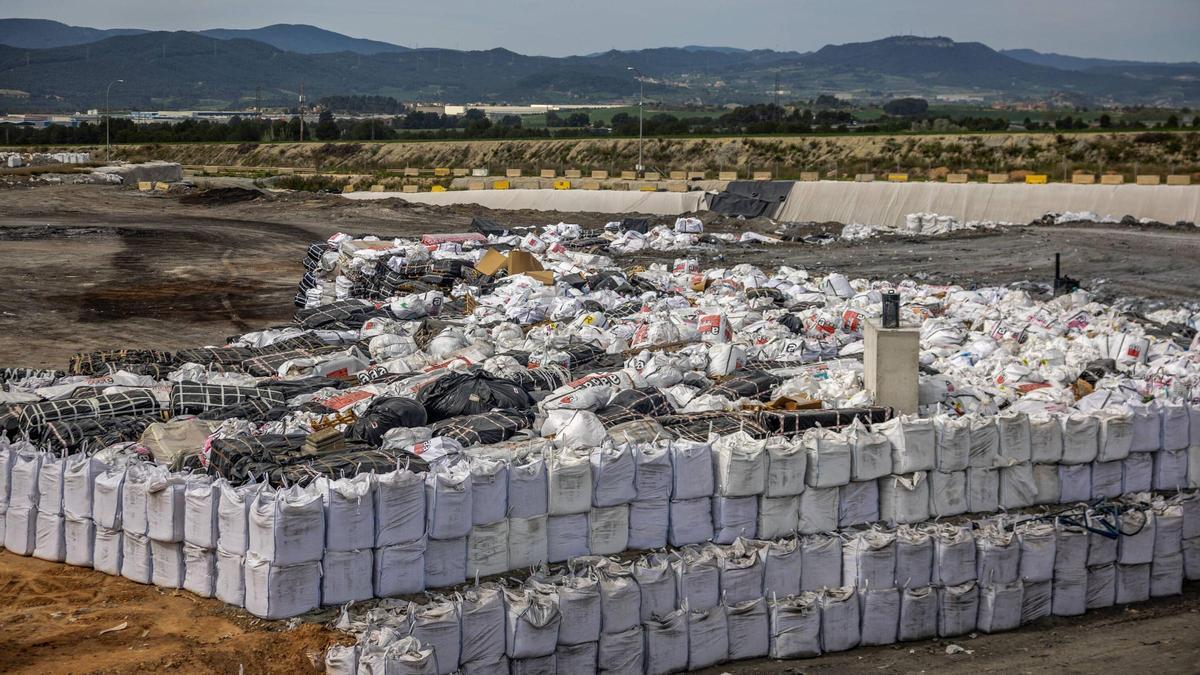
(1160, 30)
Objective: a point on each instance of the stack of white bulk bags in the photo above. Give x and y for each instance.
(650, 513)
(233, 538)
(49, 539)
(692, 489)
(285, 546)
(778, 509)
(448, 514)
(20, 535)
(620, 648)
(1190, 534)
(1135, 554)
(614, 474)
(108, 547)
(200, 533)
(1166, 570)
(527, 509)
(569, 485)
(136, 556)
(165, 511)
(398, 557)
(1070, 570)
(79, 476)
(347, 566)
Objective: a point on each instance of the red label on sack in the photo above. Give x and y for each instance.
(343, 401)
(851, 320)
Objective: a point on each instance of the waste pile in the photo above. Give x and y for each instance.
(473, 404)
(13, 160)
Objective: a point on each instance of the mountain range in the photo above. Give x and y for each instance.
(46, 65)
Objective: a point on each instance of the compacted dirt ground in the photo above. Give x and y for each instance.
(100, 267)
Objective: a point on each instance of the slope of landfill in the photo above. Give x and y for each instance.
(97, 270)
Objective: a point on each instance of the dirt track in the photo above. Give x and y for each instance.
(89, 267)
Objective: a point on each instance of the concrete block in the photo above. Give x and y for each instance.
(727, 175)
(1112, 179)
(548, 173)
(145, 185)
(512, 173)
(1179, 179)
(476, 185)
(1083, 179)
(599, 175)
(589, 185)
(864, 178)
(441, 171)
(761, 175)
(500, 185)
(1149, 180)
(409, 188)
(810, 176)
(411, 172)
(1036, 179)
(628, 175)
(132, 174)
(480, 172)
(997, 178)
(890, 365)
(957, 178)
(897, 178)
(460, 172)
(676, 186)
(562, 185)
(652, 175)
(573, 173)
(677, 175)
(377, 188)
(697, 175)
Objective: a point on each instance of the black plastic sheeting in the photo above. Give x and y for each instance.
(751, 198)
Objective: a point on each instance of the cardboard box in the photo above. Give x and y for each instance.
(493, 261)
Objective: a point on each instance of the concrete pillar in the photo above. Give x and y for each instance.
(890, 362)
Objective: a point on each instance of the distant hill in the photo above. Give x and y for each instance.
(45, 34)
(190, 70)
(1064, 62)
(304, 39)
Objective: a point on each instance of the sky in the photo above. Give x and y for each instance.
(1151, 30)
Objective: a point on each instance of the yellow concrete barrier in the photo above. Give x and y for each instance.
(810, 176)
(1179, 179)
(864, 178)
(997, 178)
(761, 175)
(1148, 180)
(648, 187)
(727, 175)
(1112, 179)
(599, 175)
(438, 188)
(145, 185)
(562, 185)
(897, 178)
(512, 173)
(957, 178)
(441, 171)
(500, 185)
(1083, 179)
(1035, 179)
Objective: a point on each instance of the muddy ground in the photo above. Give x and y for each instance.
(97, 267)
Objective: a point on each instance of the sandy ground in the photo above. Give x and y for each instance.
(96, 267)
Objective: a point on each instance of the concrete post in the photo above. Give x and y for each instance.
(890, 362)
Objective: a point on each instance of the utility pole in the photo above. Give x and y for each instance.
(301, 112)
(108, 122)
(641, 108)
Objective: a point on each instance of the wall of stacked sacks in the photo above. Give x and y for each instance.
(426, 422)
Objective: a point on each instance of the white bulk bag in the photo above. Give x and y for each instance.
(1046, 488)
(997, 556)
(871, 457)
(749, 629)
(697, 577)
(527, 542)
(1168, 529)
(569, 483)
(858, 503)
(739, 465)
(1166, 575)
(49, 542)
(691, 521)
(349, 512)
(7, 455)
(287, 526)
(79, 538)
(1137, 472)
(1045, 439)
(787, 464)
(531, 623)
(1101, 585)
(165, 508)
(781, 561)
(708, 637)
(795, 626)
(653, 477)
(614, 472)
(1101, 549)
(233, 515)
(869, 559)
(79, 477)
(904, 499)
(341, 660)
(527, 487)
(953, 436)
(573, 429)
(1191, 513)
(985, 442)
(135, 557)
(542, 665)
(839, 619)
(691, 470)
(1074, 483)
(819, 510)
(914, 443)
(1037, 544)
(580, 658)
(953, 554)
(437, 625)
(578, 601)
(620, 599)
(1081, 438)
(1176, 434)
(1014, 435)
(777, 517)
(735, 517)
(649, 522)
(958, 607)
(821, 562)
(1135, 546)
(914, 557)
(200, 498)
(1147, 427)
(200, 570)
(1017, 489)
(1132, 583)
(1116, 434)
(1106, 479)
(666, 642)
(1070, 549)
(448, 502)
(23, 480)
(620, 652)
(567, 537)
(347, 576)
(1170, 469)
(106, 498)
(880, 612)
(1000, 607)
(50, 484)
(134, 515)
(741, 573)
(829, 458)
(399, 502)
(398, 569)
(407, 656)
(948, 493)
(1036, 600)
(107, 550)
(445, 562)
(983, 490)
(608, 530)
(482, 614)
(231, 578)
(487, 550)
(167, 565)
(918, 614)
